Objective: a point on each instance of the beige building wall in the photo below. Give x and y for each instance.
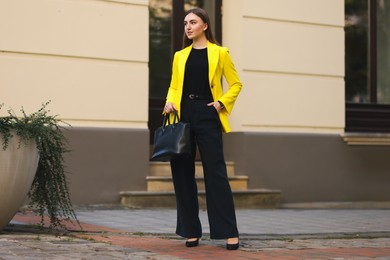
(290, 57)
(288, 119)
(89, 57)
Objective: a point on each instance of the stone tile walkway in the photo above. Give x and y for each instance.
(118, 233)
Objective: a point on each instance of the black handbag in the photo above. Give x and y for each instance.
(171, 140)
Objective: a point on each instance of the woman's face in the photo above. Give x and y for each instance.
(194, 27)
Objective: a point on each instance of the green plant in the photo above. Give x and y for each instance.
(49, 190)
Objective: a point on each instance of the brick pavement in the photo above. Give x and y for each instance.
(250, 222)
(370, 241)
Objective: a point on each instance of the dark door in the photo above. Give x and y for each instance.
(165, 37)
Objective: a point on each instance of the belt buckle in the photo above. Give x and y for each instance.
(191, 96)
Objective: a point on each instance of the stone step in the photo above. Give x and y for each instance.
(165, 183)
(248, 199)
(164, 168)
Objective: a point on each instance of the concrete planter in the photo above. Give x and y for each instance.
(17, 170)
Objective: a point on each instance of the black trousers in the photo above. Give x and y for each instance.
(206, 133)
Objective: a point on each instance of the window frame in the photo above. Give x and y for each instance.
(369, 117)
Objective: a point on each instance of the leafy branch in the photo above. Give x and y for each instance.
(49, 190)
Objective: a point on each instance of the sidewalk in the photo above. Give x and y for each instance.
(119, 233)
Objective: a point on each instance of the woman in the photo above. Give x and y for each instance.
(196, 93)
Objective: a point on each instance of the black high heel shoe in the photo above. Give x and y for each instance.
(192, 243)
(232, 246)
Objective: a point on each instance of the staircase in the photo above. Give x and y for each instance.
(160, 191)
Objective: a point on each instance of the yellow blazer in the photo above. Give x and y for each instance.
(220, 63)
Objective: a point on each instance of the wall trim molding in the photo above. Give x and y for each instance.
(373, 139)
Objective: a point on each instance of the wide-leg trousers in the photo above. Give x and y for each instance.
(206, 133)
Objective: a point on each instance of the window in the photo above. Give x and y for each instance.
(383, 51)
(367, 77)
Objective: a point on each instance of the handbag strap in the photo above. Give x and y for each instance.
(176, 118)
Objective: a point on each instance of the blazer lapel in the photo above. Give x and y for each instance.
(213, 57)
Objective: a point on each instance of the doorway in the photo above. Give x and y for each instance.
(165, 38)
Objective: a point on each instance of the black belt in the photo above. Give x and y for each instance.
(198, 97)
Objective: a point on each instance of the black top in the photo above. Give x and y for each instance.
(196, 77)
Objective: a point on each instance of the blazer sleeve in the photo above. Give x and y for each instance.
(174, 81)
(234, 83)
